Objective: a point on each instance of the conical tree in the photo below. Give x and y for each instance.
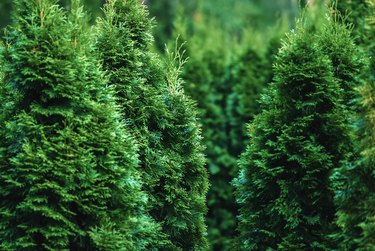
(299, 138)
(171, 168)
(183, 137)
(68, 173)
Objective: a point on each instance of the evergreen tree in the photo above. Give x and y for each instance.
(249, 75)
(68, 173)
(206, 82)
(299, 138)
(355, 195)
(170, 151)
(183, 136)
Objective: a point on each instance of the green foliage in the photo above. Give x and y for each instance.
(347, 61)
(355, 193)
(354, 13)
(5, 7)
(68, 173)
(92, 6)
(299, 138)
(232, 16)
(249, 75)
(162, 121)
(183, 137)
(212, 76)
(248, 78)
(205, 76)
(355, 197)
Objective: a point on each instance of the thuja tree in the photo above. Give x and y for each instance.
(205, 78)
(299, 138)
(68, 173)
(249, 74)
(248, 77)
(170, 151)
(355, 196)
(183, 136)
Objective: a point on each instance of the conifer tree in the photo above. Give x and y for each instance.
(205, 81)
(164, 124)
(68, 178)
(355, 197)
(183, 136)
(248, 78)
(249, 75)
(299, 138)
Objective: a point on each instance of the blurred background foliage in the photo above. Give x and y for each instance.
(230, 45)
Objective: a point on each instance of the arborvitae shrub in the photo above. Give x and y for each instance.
(68, 178)
(205, 82)
(355, 195)
(183, 137)
(248, 78)
(298, 139)
(171, 158)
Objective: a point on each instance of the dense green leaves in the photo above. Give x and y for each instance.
(299, 138)
(163, 122)
(205, 77)
(101, 149)
(355, 192)
(67, 165)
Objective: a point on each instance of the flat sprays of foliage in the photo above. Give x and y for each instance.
(298, 139)
(163, 122)
(355, 195)
(68, 172)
